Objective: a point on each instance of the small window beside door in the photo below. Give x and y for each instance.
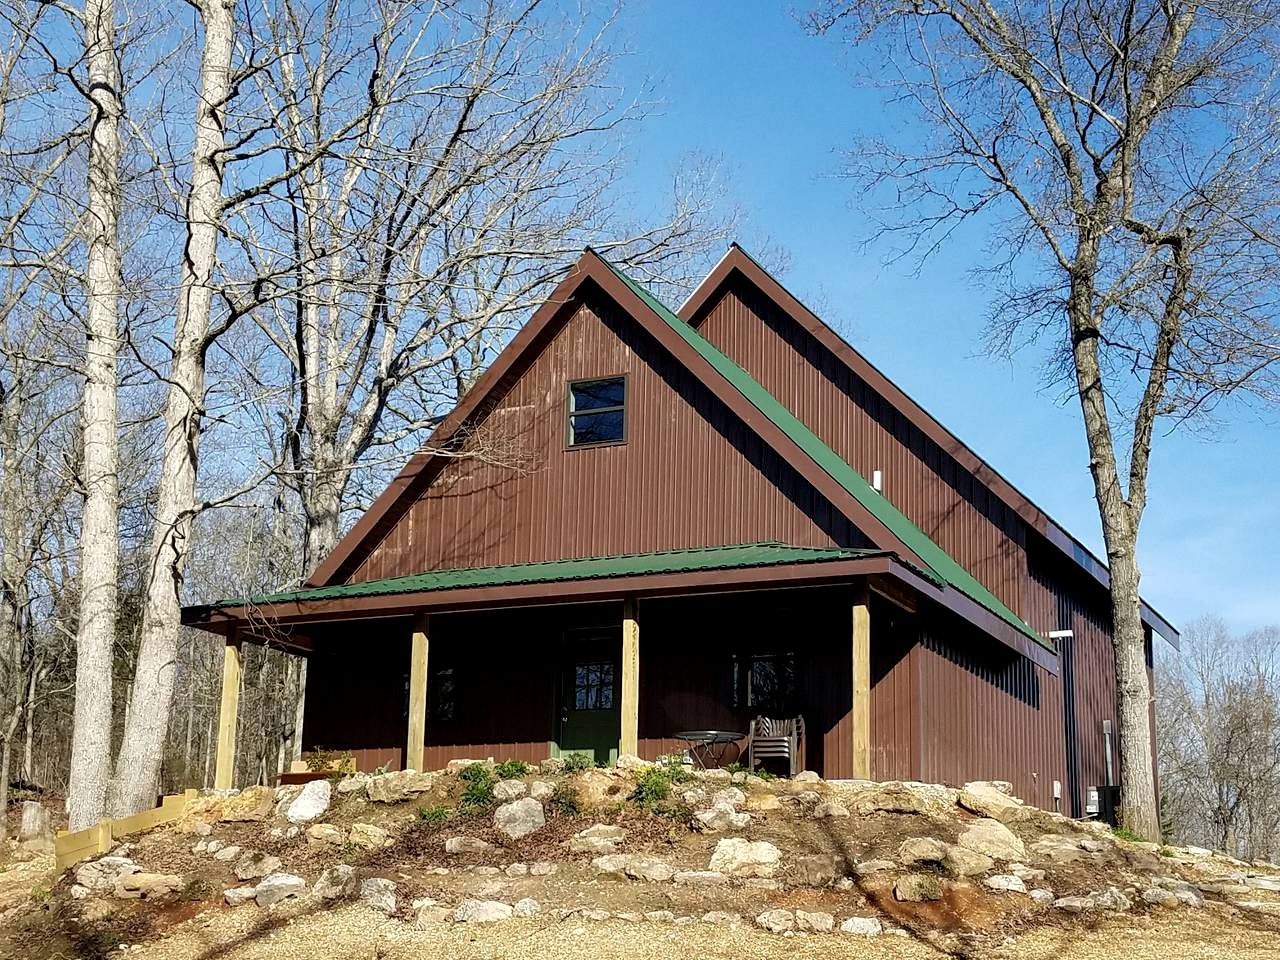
(765, 683)
(597, 412)
(593, 686)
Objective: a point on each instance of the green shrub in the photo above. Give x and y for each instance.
(479, 789)
(653, 787)
(735, 767)
(565, 799)
(433, 816)
(1125, 834)
(511, 769)
(573, 762)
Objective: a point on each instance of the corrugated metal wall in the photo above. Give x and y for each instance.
(690, 474)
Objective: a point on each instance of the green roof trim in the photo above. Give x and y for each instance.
(588, 568)
(941, 563)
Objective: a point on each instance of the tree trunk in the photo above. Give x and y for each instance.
(138, 764)
(6, 757)
(100, 532)
(1138, 807)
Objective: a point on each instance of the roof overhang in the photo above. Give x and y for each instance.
(737, 261)
(283, 623)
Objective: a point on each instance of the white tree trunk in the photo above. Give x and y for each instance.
(141, 752)
(99, 539)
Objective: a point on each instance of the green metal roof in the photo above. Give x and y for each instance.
(941, 563)
(590, 568)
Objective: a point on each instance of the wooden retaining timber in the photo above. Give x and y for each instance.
(71, 848)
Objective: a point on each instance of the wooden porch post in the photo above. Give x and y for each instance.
(862, 684)
(224, 771)
(417, 736)
(630, 734)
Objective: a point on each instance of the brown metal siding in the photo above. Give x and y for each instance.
(689, 474)
(920, 478)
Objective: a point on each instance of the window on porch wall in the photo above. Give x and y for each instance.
(765, 683)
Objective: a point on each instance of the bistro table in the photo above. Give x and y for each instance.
(708, 745)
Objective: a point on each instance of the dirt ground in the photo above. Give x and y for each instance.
(356, 933)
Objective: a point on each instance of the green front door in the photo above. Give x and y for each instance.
(589, 720)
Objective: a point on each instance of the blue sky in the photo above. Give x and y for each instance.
(744, 83)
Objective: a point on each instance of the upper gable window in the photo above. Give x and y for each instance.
(597, 411)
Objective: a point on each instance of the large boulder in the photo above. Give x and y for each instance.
(989, 798)
(895, 796)
(325, 833)
(963, 862)
(519, 818)
(399, 786)
(279, 886)
(815, 922)
(736, 857)
(919, 850)
(100, 875)
(311, 803)
(777, 921)
(336, 883)
(251, 804)
(650, 869)
(720, 817)
(147, 886)
(993, 838)
(862, 926)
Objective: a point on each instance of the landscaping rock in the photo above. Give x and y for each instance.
(720, 817)
(598, 787)
(763, 803)
(146, 886)
(505, 791)
(829, 809)
(1005, 882)
(919, 850)
(254, 865)
(818, 870)
(1025, 873)
(311, 803)
(519, 818)
(1160, 897)
(238, 895)
(353, 784)
(629, 761)
(100, 875)
(541, 790)
(918, 888)
(1042, 896)
(482, 911)
(380, 894)
(1113, 899)
(694, 797)
(777, 921)
(660, 916)
(325, 833)
(542, 869)
(862, 926)
(993, 838)
(252, 804)
(1089, 845)
(806, 776)
(336, 883)
(516, 870)
(962, 862)
(552, 765)
(228, 853)
(1074, 904)
(367, 837)
(1056, 849)
(815, 922)
(649, 869)
(277, 887)
(736, 857)
(731, 796)
(611, 864)
(526, 907)
(465, 845)
(399, 786)
(992, 799)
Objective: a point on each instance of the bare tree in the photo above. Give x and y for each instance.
(1125, 156)
(1219, 747)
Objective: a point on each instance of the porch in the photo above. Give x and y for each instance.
(606, 656)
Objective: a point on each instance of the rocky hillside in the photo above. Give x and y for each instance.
(957, 870)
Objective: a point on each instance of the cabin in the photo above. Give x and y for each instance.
(640, 523)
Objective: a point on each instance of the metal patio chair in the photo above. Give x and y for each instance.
(773, 739)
